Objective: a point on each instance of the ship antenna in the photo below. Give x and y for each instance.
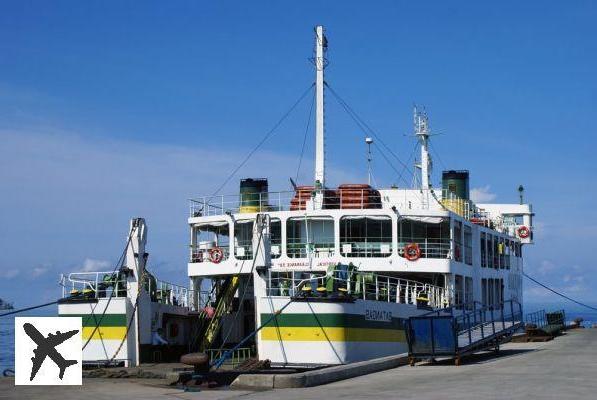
(369, 141)
(421, 124)
(320, 62)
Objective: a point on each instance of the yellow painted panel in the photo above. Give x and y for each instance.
(106, 332)
(332, 334)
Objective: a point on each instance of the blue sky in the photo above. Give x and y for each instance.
(116, 109)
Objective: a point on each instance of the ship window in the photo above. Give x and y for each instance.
(496, 252)
(468, 292)
(458, 290)
(243, 239)
(310, 235)
(468, 245)
(208, 236)
(507, 253)
(366, 236)
(275, 229)
(490, 251)
(483, 251)
(458, 250)
(433, 238)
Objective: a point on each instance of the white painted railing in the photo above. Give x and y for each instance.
(368, 286)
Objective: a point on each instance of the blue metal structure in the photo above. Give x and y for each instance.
(444, 334)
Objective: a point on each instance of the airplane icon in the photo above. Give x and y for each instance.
(46, 347)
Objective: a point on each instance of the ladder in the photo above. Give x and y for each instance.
(222, 304)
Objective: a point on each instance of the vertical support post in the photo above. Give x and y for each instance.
(320, 63)
(468, 324)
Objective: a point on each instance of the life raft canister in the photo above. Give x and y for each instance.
(216, 255)
(412, 252)
(523, 232)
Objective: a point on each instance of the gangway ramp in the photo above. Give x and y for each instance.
(444, 334)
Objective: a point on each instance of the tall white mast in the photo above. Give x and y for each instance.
(422, 132)
(320, 63)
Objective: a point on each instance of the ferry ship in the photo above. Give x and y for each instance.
(317, 275)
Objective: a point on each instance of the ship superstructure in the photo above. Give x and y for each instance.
(328, 274)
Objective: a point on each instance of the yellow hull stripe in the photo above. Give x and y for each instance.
(105, 332)
(318, 334)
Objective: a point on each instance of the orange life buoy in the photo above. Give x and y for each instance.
(412, 252)
(216, 255)
(523, 232)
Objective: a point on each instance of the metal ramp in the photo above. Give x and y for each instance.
(444, 334)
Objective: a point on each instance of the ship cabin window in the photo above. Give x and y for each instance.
(433, 238)
(496, 253)
(207, 237)
(490, 251)
(468, 245)
(483, 250)
(468, 292)
(458, 290)
(366, 236)
(508, 253)
(243, 239)
(458, 250)
(275, 230)
(310, 235)
(502, 252)
(492, 291)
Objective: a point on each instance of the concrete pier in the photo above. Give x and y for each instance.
(560, 369)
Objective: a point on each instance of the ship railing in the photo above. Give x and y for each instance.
(258, 202)
(430, 247)
(97, 284)
(357, 199)
(105, 284)
(368, 286)
(200, 253)
(169, 293)
(243, 249)
(369, 246)
(297, 248)
(234, 357)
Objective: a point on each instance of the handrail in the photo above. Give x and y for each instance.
(105, 284)
(365, 285)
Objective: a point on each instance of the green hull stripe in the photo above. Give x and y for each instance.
(106, 321)
(330, 321)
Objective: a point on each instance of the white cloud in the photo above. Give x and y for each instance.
(482, 194)
(91, 265)
(546, 267)
(9, 273)
(38, 271)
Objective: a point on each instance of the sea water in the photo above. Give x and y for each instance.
(7, 335)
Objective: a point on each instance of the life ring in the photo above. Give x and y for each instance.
(523, 232)
(412, 252)
(216, 255)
